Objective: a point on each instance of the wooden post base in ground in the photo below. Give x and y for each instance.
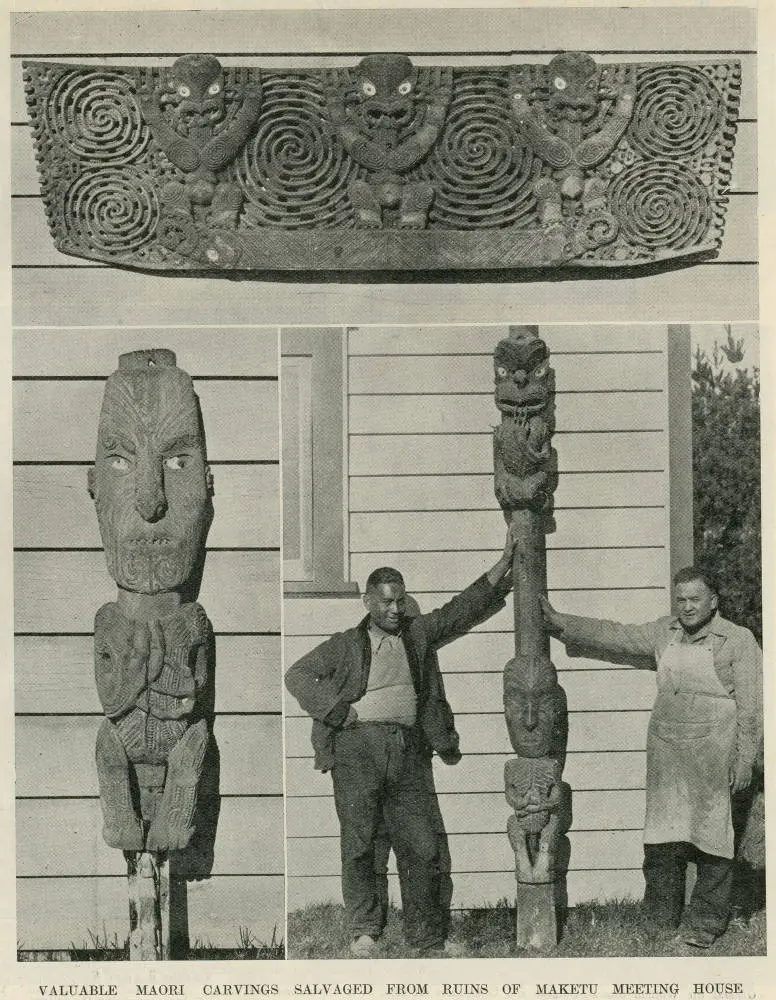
(537, 923)
(158, 909)
(148, 883)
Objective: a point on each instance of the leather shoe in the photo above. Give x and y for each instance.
(363, 946)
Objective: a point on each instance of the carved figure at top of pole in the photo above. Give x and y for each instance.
(201, 117)
(388, 119)
(525, 464)
(153, 647)
(572, 120)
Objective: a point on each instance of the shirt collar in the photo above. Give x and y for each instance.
(716, 626)
(378, 636)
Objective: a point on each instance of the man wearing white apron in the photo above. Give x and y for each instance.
(703, 739)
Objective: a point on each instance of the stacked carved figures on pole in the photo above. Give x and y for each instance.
(525, 468)
(156, 757)
(385, 165)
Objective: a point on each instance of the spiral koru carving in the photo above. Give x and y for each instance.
(292, 174)
(677, 111)
(95, 115)
(661, 206)
(113, 210)
(480, 168)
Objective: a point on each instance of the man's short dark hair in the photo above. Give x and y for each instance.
(384, 574)
(690, 573)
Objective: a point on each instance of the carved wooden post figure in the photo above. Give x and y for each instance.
(525, 466)
(388, 127)
(153, 647)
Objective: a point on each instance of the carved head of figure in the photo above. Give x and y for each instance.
(534, 706)
(522, 373)
(574, 81)
(195, 92)
(385, 90)
(150, 482)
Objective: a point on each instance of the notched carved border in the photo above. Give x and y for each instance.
(385, 165)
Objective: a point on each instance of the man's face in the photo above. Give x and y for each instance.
(385, 604)
(695, 604)
(150, 480)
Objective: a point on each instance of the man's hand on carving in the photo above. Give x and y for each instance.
(551, 620)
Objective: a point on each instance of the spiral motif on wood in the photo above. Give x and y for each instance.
(96, 116)
(293, 175)
(480, 168)
(661, 206)
(677, 112)
(114, 210)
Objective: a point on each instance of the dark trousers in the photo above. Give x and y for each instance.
(383, 850)
(378, 777)
(665, 868)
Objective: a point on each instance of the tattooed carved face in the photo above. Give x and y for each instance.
(195, 91)
(150, 482)
(574, 84)
(522, 369)
(385, 86)
(533, 706)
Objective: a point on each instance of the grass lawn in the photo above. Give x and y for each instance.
(595, 930)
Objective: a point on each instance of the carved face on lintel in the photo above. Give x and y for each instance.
(534, 706)
(385, 86)
(195, 91)
(151, 484)
(574, 81)
(522, 373)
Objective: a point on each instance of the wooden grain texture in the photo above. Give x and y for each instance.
(240, 419)
(420, 532)
(55, 755)
(63, 838)
(55, 674)
(60, 913)
(201, 351)
(240, 591)
(52, 508)
(25, 180)
(61, 297)
(475, 492)
(32, 244)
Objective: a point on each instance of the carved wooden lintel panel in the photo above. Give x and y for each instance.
(385, 165)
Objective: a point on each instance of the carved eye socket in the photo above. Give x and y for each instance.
(541, 370)
(501, 371)
(119, 463)
(368, 88)
(176, 462)
(405, 88)
(184, 91)
(559, 83)
(214, 88)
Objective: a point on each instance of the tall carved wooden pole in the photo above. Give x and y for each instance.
(153, 647)
(525, 468)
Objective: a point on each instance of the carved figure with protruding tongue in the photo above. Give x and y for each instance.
(153, 647)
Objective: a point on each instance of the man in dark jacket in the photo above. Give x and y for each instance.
(378, 704)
